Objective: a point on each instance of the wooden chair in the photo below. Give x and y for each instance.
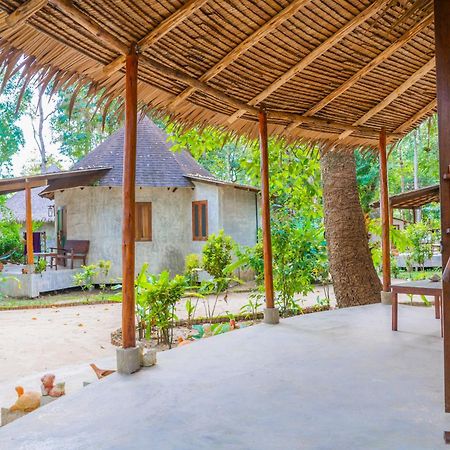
(73, 249)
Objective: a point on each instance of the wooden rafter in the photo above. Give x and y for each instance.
(416, 117)
(157, 33)
(22, 13)
(383, 56)
(245, 45)
(316, 53)
(416, 76)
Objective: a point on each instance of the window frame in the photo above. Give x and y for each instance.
(137, 209)
(199, 203)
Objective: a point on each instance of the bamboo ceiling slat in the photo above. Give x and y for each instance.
(299, 59)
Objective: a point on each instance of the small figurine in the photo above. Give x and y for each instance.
(26, 401)
(48, 386)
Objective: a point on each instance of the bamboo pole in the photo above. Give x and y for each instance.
(29, 225)
(267, 240)
(129, 181)
(384, 209)
(442, 46)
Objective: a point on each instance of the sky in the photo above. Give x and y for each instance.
(29, 154)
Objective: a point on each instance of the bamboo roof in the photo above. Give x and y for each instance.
(333, 71)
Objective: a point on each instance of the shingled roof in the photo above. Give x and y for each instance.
(156, 164)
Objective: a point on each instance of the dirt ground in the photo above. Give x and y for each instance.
(64, 340)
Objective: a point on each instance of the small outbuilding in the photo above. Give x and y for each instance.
(178, 204)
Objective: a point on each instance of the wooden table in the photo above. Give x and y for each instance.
(424, 287)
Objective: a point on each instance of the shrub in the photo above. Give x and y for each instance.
(10, 241)
(192, 265)
(217, 254)
(156, 298)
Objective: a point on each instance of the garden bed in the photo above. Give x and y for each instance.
(184, 329)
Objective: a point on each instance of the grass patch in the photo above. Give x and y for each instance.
(418, 275)
(71, 298)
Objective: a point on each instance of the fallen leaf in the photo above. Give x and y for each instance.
(80, 325)
(33, 318)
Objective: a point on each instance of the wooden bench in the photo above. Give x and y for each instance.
(73, 249)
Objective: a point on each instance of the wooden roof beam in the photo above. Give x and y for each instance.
(245, 45)
(383, 56)
(416, 76)
(312, 56)
(157, 33)
(22, 13)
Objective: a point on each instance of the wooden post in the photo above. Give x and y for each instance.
(384, 212)
(129, 182)
(29, 224)
(265, 205)
(442, 45)
(391, 216)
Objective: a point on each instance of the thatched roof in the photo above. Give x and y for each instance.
(156, 164)
(413, 199)
(325, 70)
(39, 206)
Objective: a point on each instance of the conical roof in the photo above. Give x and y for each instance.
(156, 164)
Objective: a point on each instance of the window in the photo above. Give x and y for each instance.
(200, 220)
(143, 225)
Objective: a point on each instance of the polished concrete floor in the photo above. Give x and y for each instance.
(332, 380)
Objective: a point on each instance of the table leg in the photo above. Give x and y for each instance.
(394, 311)
(437, 308)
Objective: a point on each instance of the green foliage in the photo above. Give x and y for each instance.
(421, 238)
(368, 177)
(40, 266)
(85, 278)
(80, 132)
(11, 243)
(251, 308)
(217, 254)
(11, 135)
(156, 298)
(191, 268)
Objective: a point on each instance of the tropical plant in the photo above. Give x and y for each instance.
(421, 238)
(156, 298)
(85, 278)
(104, 267)
(40, 266)
(251, 308)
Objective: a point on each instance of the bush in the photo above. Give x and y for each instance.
(191, 267)
(10, 241)
(217, 254)
(156, 298)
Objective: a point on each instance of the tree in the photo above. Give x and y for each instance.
(354, 277)
(79, 126)
(11, 135)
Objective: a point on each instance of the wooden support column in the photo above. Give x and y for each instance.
(442, 45)
(129, 182)
(29, 225)
(384, 210)
(267, 240)
(391, 216)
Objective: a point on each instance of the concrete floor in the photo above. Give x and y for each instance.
(332, 380)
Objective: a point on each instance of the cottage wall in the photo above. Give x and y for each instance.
(95, 214)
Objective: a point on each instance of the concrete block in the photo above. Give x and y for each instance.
(128, 360)
(386, 298)
(148, 356)
(271, 316)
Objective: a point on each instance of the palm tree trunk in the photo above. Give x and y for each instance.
(354, 277)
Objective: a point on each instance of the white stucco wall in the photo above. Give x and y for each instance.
(95, 214)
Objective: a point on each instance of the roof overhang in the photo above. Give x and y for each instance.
(413, 199)
(217, 182)
(53, 181)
